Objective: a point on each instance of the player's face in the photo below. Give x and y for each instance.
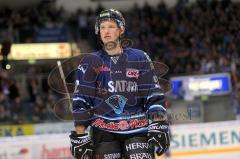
(109, 31)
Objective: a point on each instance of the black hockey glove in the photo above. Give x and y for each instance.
(81, 146)
(158, 133)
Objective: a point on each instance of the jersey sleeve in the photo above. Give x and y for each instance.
(154, 102)
(85, 88)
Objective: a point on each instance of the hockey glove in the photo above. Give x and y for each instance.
(81, 146)
(158, 133)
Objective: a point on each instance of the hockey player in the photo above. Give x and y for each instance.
(122, 79)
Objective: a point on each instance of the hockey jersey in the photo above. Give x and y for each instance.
(117, 93)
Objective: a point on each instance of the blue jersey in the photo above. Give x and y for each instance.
(125, 83)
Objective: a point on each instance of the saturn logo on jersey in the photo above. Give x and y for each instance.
(132, 73)
(116, 86)
(122, 86)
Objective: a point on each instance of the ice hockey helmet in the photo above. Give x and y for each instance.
(110, 14)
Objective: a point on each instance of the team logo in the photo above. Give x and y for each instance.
(132, 73)
(117, 102)
(83, 68)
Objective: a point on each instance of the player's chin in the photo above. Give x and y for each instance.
(108, 40)
(109, 43)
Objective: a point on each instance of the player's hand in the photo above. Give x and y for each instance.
(158, 133)
(81, 145)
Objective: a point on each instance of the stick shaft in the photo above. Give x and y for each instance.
(64, 82)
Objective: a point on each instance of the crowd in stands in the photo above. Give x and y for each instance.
(196, 39)
(24, 25)
(191, 38)
(17, 108)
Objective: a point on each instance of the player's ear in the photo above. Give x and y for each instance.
(122, 31)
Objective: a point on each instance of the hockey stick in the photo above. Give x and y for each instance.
(64, 82)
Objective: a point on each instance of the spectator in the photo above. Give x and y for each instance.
(5, 50)
(4, 114)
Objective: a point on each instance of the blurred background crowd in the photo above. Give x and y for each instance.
(196, 38)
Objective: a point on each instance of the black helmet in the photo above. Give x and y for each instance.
(110, 14)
